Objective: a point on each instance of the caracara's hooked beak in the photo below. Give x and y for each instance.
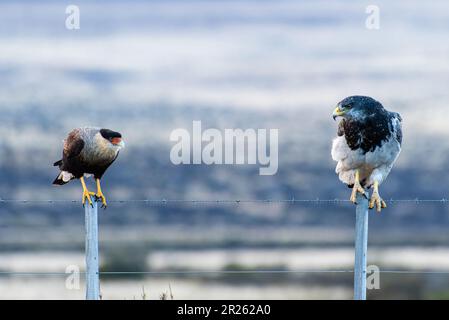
(337, 113)
(118, 142)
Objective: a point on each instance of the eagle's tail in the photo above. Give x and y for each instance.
(63, 178)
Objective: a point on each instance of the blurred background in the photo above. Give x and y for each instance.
(145, 68)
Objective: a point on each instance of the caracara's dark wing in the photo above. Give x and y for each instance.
(73, 145)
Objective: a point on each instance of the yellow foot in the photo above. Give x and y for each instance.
(357, 188)
(100, 196)
(87, 196)
(377, 201)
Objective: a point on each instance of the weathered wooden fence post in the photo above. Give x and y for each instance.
(92, 263)
(361, 247)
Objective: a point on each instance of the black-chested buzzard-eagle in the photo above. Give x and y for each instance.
(368, 144)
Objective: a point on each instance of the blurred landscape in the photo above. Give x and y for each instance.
(148, 68)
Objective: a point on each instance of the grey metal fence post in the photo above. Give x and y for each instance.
(361, 247)
(92, 259)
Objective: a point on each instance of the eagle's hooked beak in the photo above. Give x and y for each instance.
(337, 112)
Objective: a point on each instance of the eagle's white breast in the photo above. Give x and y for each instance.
(373, 166)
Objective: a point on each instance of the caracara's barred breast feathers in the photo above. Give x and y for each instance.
(96, 149)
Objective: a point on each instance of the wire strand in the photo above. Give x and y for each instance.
(224, 201)
(225, 272)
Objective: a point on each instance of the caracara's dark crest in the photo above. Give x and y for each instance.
(88, 151)
(368, 144)
(109, 134)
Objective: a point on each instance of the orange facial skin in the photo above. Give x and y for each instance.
(116, 140)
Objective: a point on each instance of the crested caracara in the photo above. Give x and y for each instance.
(88, 151)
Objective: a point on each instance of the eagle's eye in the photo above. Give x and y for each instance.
(347, 106)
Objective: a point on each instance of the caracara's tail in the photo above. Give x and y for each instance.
(58, 181)
(63, 178)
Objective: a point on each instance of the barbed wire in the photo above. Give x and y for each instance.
(217, 272)
(225, 201)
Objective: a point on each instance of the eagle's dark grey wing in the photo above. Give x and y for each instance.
(397, 126)
(399, 136)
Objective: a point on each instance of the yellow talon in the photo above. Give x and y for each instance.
(357, 188)
(100, 195)
(376, 200)
(86, 194)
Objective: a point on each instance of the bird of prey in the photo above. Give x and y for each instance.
(88, 151)
(368, 144)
